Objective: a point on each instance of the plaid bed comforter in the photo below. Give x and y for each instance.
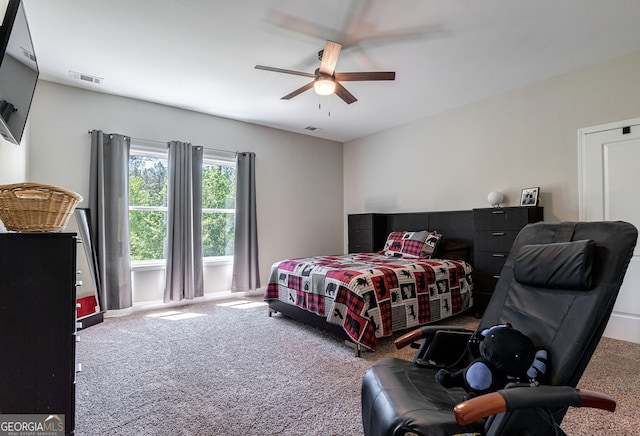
(372, 295)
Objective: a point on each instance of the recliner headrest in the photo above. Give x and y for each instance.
(563, 265)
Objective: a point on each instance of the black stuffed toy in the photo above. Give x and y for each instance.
(507, 355)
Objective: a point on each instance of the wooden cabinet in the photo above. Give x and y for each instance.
(38, 324)
(367, 232)
(495, 231)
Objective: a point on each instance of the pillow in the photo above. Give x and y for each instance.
(564, 265)
(411, 244)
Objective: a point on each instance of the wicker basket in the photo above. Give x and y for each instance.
(35, 207)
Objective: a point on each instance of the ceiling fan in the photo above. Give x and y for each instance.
(326, 80)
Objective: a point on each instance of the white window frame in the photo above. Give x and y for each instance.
(149, 151)
(209, 160)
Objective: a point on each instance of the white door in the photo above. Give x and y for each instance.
(609, 187)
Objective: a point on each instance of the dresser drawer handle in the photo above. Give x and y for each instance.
(497, 255)
(497, 211)
(497, 234)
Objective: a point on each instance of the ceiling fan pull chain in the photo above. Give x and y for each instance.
(320, 104)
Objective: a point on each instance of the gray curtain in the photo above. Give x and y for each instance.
(246, 272)
(184, 276)
(109, 205)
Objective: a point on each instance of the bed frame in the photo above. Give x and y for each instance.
(457, 228)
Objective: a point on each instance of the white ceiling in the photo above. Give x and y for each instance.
(200, 54)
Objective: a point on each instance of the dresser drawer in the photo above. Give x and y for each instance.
(513, 218)
(361, 221)
(495, 241)
(360, 236)
(491, 263)
(361, 248)
(483, 284)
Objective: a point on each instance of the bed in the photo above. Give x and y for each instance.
(364, 296)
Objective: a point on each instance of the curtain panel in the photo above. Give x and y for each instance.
(246, 271)
(109, 206)
(184, 273)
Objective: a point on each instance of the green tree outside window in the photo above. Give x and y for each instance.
(148, 182)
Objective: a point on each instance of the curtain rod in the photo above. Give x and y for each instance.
(165, 143)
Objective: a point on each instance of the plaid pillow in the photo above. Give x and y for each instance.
(431, 244)
(411, 244)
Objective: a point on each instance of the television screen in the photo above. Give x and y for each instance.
(18, 72)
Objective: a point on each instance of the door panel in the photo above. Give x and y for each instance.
(622, 181)
(609, 181)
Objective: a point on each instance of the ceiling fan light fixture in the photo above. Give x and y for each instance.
(324, 86)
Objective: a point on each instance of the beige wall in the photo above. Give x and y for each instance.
(523, 138)
(520, 139)
(299, 178)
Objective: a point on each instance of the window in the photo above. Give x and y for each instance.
(218, 208)
(148, 183)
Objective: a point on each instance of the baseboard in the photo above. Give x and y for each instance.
(159, 304)
(623, 326)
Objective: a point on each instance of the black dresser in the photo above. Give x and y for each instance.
(367, 232)
(495, 231)
(38, 324)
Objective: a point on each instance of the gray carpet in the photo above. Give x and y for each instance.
(232, 370)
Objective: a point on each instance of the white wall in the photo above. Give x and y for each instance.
(520, 139)
(13, 160)
(299, 178)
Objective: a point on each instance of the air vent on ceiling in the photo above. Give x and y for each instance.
(85, 77)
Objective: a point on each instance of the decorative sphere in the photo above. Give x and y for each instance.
(495, 198)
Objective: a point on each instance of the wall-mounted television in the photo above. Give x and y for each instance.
(18, 70)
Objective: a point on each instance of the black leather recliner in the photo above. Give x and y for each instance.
(558, 286)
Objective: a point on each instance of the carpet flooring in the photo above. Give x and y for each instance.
(226, 368)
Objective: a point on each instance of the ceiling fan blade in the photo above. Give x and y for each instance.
(298, 91)
(342, 92)
(281, 70)
(371, 75)
(330, 56)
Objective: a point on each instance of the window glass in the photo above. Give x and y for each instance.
(148, 183)
(218, 208)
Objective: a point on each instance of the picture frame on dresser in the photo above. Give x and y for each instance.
(530, 196)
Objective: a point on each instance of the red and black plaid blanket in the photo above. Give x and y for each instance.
(372, 295)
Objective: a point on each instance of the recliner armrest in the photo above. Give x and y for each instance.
(524, 397)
